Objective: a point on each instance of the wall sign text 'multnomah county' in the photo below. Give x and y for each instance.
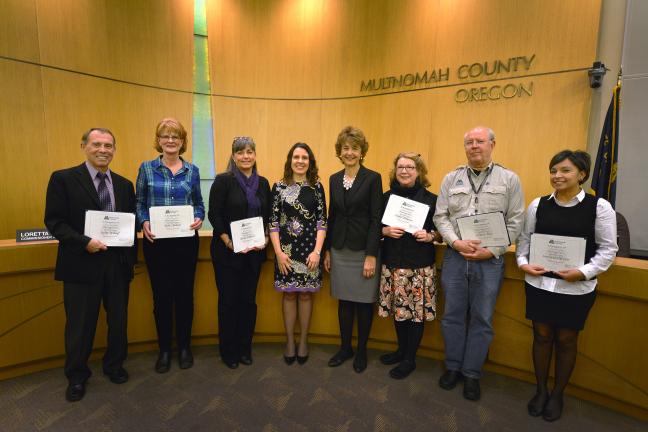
(476, 71)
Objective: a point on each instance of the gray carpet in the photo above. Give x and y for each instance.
(271, 396)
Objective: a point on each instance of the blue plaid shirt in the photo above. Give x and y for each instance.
(157, 186)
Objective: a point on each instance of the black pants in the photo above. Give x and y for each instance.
(237, 309)
(171, 267)
(82, 302)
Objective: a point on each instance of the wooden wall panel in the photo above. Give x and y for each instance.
(322, 48)
(46, 109)
(24, 159)
(74, 103)
(145, 41)
(255, 66)
(18, 30)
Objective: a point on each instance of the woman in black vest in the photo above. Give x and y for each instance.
(239, 193)
(558, 302)
(408, 277)
(353, 243)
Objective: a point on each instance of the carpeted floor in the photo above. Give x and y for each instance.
(271, 396)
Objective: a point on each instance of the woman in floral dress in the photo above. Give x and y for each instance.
(407, 281)
(297, 232)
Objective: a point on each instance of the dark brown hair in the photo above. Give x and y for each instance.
(582, 160)
(311, 174)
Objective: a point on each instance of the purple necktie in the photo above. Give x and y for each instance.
(104, 195)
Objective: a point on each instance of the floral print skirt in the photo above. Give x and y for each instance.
(408, 294)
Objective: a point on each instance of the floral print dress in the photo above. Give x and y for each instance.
(298, 212)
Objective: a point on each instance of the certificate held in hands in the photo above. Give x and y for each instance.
(111, 228)
(405, 213)
(171, 221)
(556, 253)
(247, 233)
(489, 228)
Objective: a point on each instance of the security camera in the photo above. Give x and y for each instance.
(596, 74)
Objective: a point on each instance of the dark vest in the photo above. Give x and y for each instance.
(576, 221)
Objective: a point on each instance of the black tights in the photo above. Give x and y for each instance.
(346, 312)
(545, 336)
(409, 335)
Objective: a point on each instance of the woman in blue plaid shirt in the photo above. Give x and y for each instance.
(169, 180)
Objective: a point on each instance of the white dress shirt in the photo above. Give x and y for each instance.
(605, 236)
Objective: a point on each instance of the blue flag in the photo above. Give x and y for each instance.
(604, 175)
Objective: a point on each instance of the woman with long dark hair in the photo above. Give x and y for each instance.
(297, 231)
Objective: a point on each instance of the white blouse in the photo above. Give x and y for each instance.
(605, 235)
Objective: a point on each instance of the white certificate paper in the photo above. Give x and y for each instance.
(490, 228)
(171, 221)
(405, 213)
(111, 228)
(557, 252)
(247, 233)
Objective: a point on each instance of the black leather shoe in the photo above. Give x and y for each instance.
(163, 363)
(185, 358)
(537, 404)
(339, 358)
(119, 376)
(360, 362)
(302, 359)
(402, 371)
(391, 358)
(75, 392)
(553, 408)
(449, 379)
(290, 359)
(232, 364)
(246, 359)
(471, 390)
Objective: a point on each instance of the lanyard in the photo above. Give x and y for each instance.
(472, 185)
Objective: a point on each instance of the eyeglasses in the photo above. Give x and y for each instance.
(475, 141)
(170, 138)
(405, 168)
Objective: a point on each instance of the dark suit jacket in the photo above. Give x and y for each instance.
(70, 193)
(227, 203)
(354, 222)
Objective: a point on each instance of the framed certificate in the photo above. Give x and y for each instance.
(489, 228)
(405, 213)
(171, 221)
(247, 233)
(111, 228)
(557, 253)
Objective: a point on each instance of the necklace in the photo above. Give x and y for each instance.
(347, 182)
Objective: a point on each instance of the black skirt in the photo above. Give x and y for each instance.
(559, 310)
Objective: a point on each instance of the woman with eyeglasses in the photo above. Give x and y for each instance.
(237, 194)
(353, 244)
(169, 180)
(558, 302)
(408, 278)
(297, 232)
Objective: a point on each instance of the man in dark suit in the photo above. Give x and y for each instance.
(91, 271)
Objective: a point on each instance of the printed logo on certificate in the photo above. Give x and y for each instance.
(489, 228)
(171, 221)
(111, 228)
(556, 253)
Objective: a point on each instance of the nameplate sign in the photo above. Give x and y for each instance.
(30, 235)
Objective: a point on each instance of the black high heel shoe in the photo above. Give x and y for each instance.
(290, 359)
